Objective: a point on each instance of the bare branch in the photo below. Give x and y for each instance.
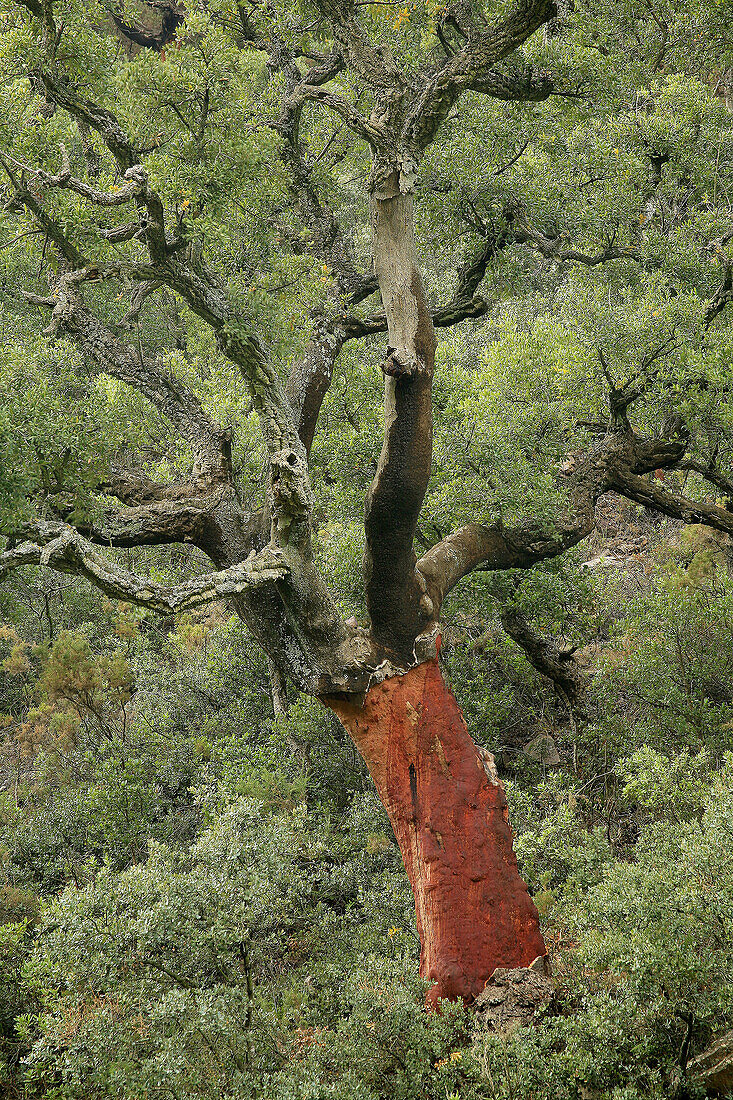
(61, 547)
(545, 655)
(136, 178)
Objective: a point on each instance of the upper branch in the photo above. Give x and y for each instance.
(552, 247)
(475, 65)
(710, 472)
(135, 178)
(64, 95)
(374, 64)
(53, 231)
(366, 128)
(310, 376)
(327, 239)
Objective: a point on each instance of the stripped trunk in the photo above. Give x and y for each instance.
(449, 814)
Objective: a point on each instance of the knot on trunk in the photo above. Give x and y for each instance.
(399, 364)
(513, 997)
(289, 490)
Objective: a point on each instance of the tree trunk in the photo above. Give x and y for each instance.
(449, 814)
(399, 608)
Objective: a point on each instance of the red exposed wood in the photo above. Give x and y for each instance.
(452, 825)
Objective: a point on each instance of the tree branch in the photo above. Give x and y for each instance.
(210, 444)
(477, 61)
(551, 247)
(615, 462)
(61, 547)
(545, 655)
(63, 94)
(514, 82)
(710, 473)
(374, 64)
(463, 304)
(310, 377)
(653, 495)
(135, 176)
(157, 515)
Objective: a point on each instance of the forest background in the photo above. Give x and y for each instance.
(200, 892)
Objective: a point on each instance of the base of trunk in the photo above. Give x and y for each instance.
(450, 817)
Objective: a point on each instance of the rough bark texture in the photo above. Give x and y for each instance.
(513, 998)
(449, 814)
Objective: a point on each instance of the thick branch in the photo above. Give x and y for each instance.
(365, 128)
(310, 377)
(158, 515)
(64, 95)
(514, 82)
(62, 548)
(52, 229)
(126, 154)
(171, 16)
(374, 64)
(452, 313)
(398, 604)
(615, 462)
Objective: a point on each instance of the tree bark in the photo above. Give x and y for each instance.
(449, 814)
(399, 608)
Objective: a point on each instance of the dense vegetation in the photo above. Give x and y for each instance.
(201, 894)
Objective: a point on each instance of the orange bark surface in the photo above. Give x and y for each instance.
(450, 817)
